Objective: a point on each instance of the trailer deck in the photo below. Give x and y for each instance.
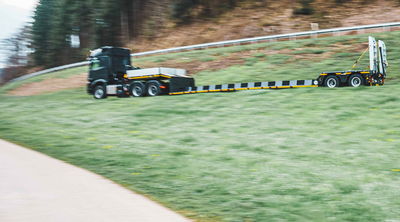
(249, 86)
(159, 72)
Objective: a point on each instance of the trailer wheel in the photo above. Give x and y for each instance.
(331, 82)
(356, 80)
(153, 88)
(137, 89)
(100, 92)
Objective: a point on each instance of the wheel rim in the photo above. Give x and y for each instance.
(99, 93)
(356, 81)
(153, 90)
(137, 91)
(331, 83)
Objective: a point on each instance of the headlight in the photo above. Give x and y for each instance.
(315, 82)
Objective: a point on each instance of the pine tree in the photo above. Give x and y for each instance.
(41, 28)
(107, 14)
(60, 33)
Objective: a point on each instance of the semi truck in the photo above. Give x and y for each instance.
(112, 74)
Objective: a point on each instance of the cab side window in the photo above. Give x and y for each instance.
(99, 62)
(95, 64)
(104, 61)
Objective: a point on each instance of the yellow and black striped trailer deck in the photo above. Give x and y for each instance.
(248, 86)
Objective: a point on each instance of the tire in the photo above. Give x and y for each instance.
(100, 92)
(356, 80)
(137, 89)
(331, 82)
(153, 88)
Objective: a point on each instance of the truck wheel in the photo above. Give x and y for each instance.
(137, 89)
(100, 92)
(153, 88)
(332, 82)
(356, 80)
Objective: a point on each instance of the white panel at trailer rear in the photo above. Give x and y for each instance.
(157, 71)
(382, 57)
(373, 55)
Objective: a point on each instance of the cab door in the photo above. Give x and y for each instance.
(99, 68)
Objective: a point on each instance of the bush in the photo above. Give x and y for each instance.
(185, 10)
(181, 9)
(305, 9)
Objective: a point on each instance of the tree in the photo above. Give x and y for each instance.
(17, 54)
(16, 48)
(107, 22)
(82, 23)
(41, 28)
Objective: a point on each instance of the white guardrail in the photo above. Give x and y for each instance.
(224, 43)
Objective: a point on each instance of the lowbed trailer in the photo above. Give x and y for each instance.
(111, 73)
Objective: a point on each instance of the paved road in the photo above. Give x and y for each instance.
(35, 187)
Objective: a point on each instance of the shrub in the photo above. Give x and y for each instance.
(305, 9)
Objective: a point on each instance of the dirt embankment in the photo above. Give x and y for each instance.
(50, 85)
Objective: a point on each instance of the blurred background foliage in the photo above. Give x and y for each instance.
(153, 24)
(107, 22)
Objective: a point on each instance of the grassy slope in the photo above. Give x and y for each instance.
(300, 154)
(64, 74)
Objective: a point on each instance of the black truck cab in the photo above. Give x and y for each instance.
(108, 66)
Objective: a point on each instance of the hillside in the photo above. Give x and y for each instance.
(146, 25)
(259, 18)
(309, 154)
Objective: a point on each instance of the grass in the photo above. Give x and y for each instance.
(311, 154)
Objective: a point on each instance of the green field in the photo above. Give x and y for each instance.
(309, 154)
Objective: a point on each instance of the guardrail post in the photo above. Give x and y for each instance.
(314, 27)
